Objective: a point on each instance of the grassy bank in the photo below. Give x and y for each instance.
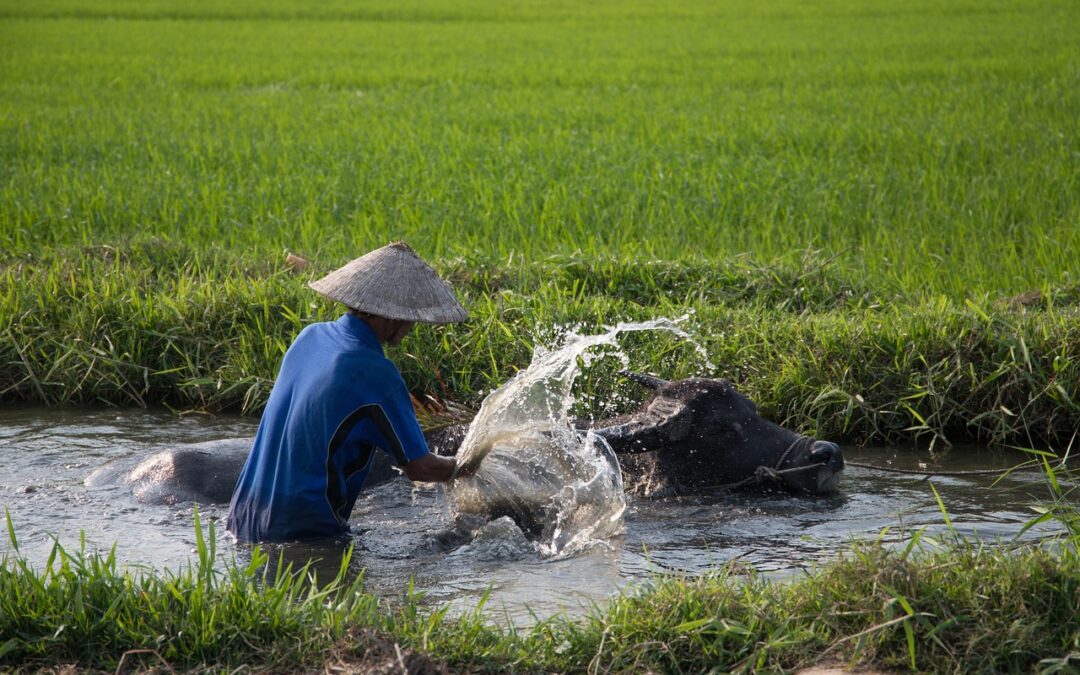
(933, 608)
(158, 323)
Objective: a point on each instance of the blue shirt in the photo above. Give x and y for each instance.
(336, 399)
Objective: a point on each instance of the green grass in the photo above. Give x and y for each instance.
(869, 210)
(932, 147)
(932, 607)
(168, 324)
(851, 198)
(155, 325)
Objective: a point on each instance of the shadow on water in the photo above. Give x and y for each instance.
(404, 533)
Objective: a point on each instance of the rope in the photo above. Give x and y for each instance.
(774, 474)
(764, 474)
(917, 472)
(440, 427)
(986, 472)
(771, 474)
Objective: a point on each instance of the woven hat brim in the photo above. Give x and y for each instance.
(395, 283)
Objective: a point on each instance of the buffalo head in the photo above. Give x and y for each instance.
(698, 433)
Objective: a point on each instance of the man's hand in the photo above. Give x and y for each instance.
(430, 469)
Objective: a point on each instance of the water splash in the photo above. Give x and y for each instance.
(522, 458)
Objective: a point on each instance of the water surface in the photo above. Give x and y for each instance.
(46, 454)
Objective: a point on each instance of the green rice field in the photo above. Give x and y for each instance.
(871, 211)
(932, 147)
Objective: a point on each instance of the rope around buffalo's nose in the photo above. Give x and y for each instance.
(764, 474)
(767, 474)
(772, 474)
(1030, 465)
(928, 474)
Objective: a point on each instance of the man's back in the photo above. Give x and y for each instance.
(336, 399)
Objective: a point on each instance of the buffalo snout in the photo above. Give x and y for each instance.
(827, 453)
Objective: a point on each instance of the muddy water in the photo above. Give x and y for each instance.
(401, 531)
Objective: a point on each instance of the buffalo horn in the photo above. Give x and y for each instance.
(644, 380)
(617, 432)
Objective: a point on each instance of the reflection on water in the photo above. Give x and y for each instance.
(404, 533)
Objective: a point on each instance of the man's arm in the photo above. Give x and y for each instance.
(430, 469)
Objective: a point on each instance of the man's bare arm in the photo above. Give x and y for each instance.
(430, 469)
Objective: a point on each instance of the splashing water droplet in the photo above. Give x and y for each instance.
(522, 458)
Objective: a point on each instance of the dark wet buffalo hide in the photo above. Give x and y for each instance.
(691, 435)
(701, 434)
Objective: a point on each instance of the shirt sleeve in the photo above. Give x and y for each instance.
(388, 419)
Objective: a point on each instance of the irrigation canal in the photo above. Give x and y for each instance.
(46, 454)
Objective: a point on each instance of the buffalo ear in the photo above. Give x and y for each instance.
(670, 417)
(661, 422)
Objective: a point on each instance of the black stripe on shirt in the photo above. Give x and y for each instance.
(376, 414)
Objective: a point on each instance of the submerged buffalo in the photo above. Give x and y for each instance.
(701, 434)
(692, 435)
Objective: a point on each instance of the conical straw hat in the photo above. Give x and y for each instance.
(395, 283)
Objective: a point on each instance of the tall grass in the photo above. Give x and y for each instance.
(930, 607)
(846, 195)
(84, 608)
(168, 324)
(932, 145)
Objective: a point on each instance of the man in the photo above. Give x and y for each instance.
(337, 398)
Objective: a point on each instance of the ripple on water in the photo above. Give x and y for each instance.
(399, 527)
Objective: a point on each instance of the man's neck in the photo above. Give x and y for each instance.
(387, 331)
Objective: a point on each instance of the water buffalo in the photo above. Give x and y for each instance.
(700, 434)
(204, 473)
(199, 472)
(692, 435)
